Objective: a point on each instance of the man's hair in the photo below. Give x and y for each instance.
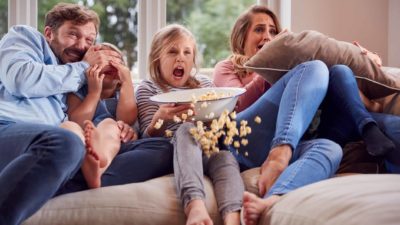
(77, 14)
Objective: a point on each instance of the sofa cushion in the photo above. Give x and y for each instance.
(290, 49)
(151, 202)
(367, 199)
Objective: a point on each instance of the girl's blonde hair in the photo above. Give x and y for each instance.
(238, 36)
(163, 40)
(109, 46)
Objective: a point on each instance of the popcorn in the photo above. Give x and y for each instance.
(158, 124)
(177, 119)
(244, 142)
(190, 112)
(207, 135)
(257, 119)
(184, 116)
(168, 133)
(233, 115)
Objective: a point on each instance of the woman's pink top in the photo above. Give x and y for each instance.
(255, 85)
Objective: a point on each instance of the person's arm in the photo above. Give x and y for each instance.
(28, 67)
(126, 108)
(224, 76)
(81, 110)
(150, 112)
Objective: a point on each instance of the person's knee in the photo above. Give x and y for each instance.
(224, 158)
(341, 73)
(321, 76)
(67, 144)
(184, 128)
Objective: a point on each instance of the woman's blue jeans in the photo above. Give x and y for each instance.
(286, 110)
(36, 160)
(344, 115)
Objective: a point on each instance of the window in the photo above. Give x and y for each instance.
(3, 17)
(118, 24)
(210, 21)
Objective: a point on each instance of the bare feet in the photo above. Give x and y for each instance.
(253, 207)
(93, 142)
(92, 164)
(197, 214)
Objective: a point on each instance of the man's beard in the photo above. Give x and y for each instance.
(59, 52)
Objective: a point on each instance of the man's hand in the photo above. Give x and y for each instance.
(127, 132)
(95, 55)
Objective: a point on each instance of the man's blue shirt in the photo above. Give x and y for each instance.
(32, 82)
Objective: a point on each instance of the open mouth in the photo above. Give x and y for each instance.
(74, 55)
(178, 72)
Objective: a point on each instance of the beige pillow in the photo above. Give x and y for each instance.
(368, 199)
(290, 49)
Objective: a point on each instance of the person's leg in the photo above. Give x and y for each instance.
(390, 125)
(139, 161)
(188, 171)
(223, 170)
(105, 141)
(102, 144)
(136, 161)
(35, 162)
(312, 161)
(343, 95)
(286, 111)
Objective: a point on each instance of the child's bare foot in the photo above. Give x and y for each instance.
(93, 142)
(91, 171)
(197, 214)
(253, 206)
(92, 164)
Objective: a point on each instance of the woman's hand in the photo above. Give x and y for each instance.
(127, 132)
(94, 80)
(371, 55)
(274, 165)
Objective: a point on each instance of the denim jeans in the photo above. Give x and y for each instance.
(286, 111)
(136, 161)
(344, 115)
(36, 160)
(390, 125)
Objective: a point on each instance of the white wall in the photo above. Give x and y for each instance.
(366, 21)
(394, 33)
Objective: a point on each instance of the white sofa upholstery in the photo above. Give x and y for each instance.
(357, 199)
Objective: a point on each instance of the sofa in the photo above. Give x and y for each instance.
(356, 195)
(346, 199)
